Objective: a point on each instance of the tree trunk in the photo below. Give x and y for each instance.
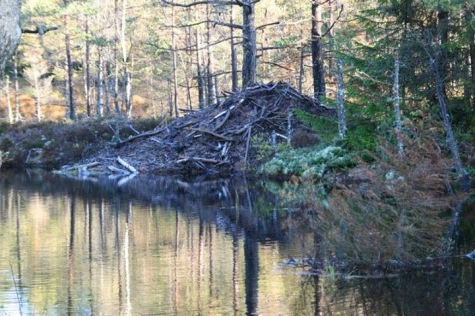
(127, 84)
(9, 104)
(210, 64)
(100, 85)
(69, 67)
(107, 84)
(115, 79)
(38, 96)
(442, 99)
(470, 91)
(341, 100)
(397, 109)
(10, 31)
(17, 88)
(200, 74)
(317, 51)
(443, 37)
(87, 70)
(301, 67)
(234, 71)
(249, 62)
(174, 67)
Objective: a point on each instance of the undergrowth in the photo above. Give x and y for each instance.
(396, 214)
(308, 162)
(52, 144)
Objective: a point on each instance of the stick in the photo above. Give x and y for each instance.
(224, 120)
(118, 170)
(197, 159)
(126, 165)
(92, 164)
(151, 133)
(247, 142)
(211, 133)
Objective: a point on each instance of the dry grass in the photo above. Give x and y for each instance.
(396, 213)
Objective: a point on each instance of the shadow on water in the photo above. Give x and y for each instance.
(251, 217)
(234, 204)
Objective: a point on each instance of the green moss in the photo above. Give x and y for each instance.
(308, 161)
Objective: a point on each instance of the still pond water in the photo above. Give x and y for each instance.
(154, 246)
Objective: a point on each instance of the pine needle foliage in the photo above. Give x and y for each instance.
(310, 162)
(395, 214)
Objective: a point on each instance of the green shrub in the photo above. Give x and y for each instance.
(310, 162)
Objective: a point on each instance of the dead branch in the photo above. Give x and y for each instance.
(223, 121)
(118, 170)
(185, 159)
(126, 165)
(40, 30)
(146, 134)
(211, 133)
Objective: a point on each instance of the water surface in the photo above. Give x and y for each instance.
(157, 246)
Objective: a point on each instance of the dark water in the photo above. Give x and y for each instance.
(154, 246)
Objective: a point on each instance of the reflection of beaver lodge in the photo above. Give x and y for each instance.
(226, 136)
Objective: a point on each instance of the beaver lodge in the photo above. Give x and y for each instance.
(216, 140)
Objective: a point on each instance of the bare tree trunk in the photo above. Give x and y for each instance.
(301, 67)
(100, 84)
(470, 91)
(66, 97)
(17, 88)
(201, 92)
(106, 85)
(174, 67)
(128, 91)
(341, 100)
(10, 31)
(443, 37)
(170, 98)
(397, 109)
(9, 104)
(249, 62)
(210, 64)
(317, 51)
(442, 99)
(210, 78)
(115, 80)
(38, 96)
(69, 67)
(234, 71)
(87, 71)
(127, 83)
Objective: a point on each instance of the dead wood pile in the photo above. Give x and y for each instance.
(221, 138)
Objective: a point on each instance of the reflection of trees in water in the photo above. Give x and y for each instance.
(244, 214)
(448, 292)
(223, 205)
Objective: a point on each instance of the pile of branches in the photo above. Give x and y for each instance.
(219, 139)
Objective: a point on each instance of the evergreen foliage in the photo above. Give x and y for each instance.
(309, 162)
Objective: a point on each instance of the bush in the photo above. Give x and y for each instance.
(309, 162)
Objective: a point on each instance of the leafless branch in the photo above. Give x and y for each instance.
(40, 30)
